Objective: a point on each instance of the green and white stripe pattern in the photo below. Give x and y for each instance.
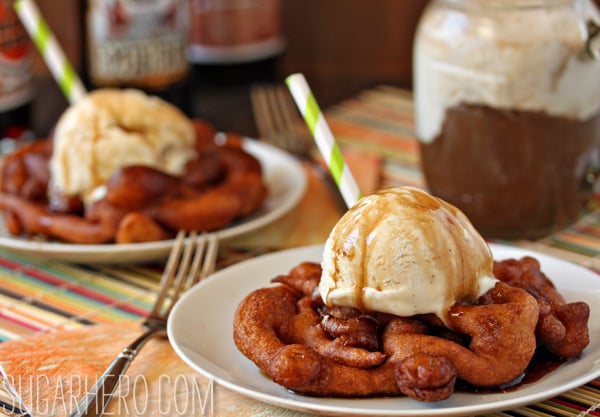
(44, 40)
(325, 140)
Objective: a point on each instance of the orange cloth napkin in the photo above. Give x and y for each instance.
(53, 371)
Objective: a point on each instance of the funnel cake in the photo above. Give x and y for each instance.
(311, 349)
(136, 175)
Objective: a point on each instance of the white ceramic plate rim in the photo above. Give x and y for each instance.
(286, 182)
(200, 331)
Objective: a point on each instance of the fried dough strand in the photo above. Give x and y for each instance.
(25, 171)
(561, 328)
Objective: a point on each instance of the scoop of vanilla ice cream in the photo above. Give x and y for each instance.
(112, 128)
(404, 252)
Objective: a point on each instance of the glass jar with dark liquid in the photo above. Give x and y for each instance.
(507, 96)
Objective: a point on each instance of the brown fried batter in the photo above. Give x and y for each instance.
(304, 278)
(25, 172)
(437, 374)
(307, 330)
(136, 227)
(358, 331)
(289, 334)
(562, 327)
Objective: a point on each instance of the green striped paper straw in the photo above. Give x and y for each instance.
(44, 40)
(324, 139)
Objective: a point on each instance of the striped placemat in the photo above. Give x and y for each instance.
(381, 121)
(44, 295)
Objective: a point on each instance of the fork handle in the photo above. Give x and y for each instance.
(95, 401)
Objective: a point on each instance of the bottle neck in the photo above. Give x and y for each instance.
(511, 4)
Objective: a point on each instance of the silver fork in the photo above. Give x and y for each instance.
(279, 122)
(191, 259)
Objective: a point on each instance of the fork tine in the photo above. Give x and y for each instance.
(262, 113)
(182, 272)
(278, 120)
(288, 114)
(194, 275)
(196, 267)
(273, 108)
(210, 259)
(169, 273)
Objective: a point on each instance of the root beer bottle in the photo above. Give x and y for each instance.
(139, 44)
(234, 42)
(16, 86)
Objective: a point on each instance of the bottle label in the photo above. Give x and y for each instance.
(15, 60)
(137, 42)
(234, 30)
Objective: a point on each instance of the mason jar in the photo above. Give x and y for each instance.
(507, 110)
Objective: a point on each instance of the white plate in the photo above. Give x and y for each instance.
(201, 325)
(286, 182)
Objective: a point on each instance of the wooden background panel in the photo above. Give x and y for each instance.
(343, 42)
(63, 17)
(351, 43)
(342, 46)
